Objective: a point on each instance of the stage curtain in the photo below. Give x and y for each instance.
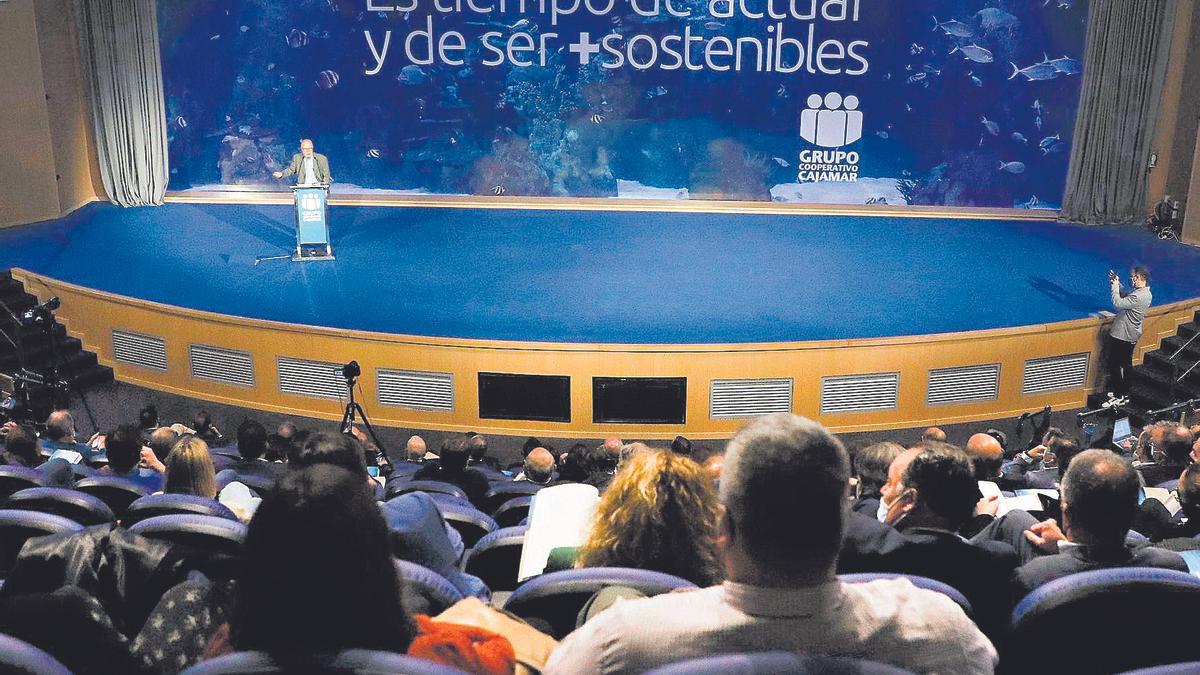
(1128, 45)
(119, 44)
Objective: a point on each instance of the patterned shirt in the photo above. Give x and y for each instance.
(890, 621)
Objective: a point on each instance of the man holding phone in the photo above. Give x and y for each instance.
(1126, 330)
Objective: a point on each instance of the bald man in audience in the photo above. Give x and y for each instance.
(415, 449)
(60, 435)
(539, 467)
(161, 441)
(934, 434)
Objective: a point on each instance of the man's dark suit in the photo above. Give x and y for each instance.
(1153, 474)
(320, 168)
(1072, 559)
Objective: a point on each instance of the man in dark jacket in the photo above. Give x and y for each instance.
(1099, 500)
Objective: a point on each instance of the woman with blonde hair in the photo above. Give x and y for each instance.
(189, 469)
(660, 513)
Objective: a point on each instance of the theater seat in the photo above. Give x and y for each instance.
(920, 582)
(400, 487)
(470, 522)
(118, 493)
(18, 526)
(1105, 621)
(502, 492)
(18, 657)
(496, 558)
(1189, 668)
(556, 598)
(356, 661)
(776, 663)
(513, 511)
(16, 478)
(426, 591)
(77, 506)
(211, 544)
(171, 504)
(260, 484)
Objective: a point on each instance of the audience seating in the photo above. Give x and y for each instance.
(776, 663)
(170, 504)
(206, 533)
(118, 493)
(557, 597)
(1105, 621)
(18, 657)
(1192, 558)
(15, 478)
(471, 523)
(400, 487)
(513, 511)
(426, 591)
(258, 484)
(502, 492)
(1174, 669)
(1168, 484)
(17, 526)
(73, 504)
(350, 661)
(920, 582)
(496, 558)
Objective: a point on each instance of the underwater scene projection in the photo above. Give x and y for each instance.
(922, 102)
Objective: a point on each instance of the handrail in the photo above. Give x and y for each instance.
(1185, 345)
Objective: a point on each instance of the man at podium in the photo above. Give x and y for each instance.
(310, 168)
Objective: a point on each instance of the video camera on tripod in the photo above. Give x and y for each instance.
(351, 372)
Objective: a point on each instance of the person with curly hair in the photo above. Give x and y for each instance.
(660, 513)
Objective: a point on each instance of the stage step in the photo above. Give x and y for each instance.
(1160, 381)
(43, 349)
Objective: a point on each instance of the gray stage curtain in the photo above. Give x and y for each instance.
(118, 40)
(1128, 45)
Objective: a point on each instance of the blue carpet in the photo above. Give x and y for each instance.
(613, 277)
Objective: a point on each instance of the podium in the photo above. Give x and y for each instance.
(312, 223)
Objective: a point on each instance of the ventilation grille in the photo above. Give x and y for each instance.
(222, 365)
(859, 393)
(963, 385)
(145, 351)
(747, 398)
(310, 378)
(1055, 373)
(415, 389)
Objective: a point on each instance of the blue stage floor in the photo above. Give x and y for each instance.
(610, 277)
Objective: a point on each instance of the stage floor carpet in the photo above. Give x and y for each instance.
(604, 277)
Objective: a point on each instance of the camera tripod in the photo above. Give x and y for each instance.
(354, 411)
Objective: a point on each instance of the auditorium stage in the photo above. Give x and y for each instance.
(840, 317)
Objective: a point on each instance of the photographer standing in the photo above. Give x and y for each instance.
(1126, 328)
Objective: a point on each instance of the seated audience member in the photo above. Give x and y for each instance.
(530, 444)
(203, 427)
(660, 513)
(572, 465)
(871, 464)
(252, 446)
(930, 496)
(681, 446)
(933, 434)
(539, 467)
(602, 463)
(478, 445)
(987, 456)
(1041, 467)
(286, 430)
(148, 422)
(277, 449)
(317, 575)
(786, 497)
(1166, 456)
(60, 435)
(1099, 498)
(415, 449)
(1181, 536)
(21, 449)
(127, 455)
(162, 440)
(189, 469)
(452, 468)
